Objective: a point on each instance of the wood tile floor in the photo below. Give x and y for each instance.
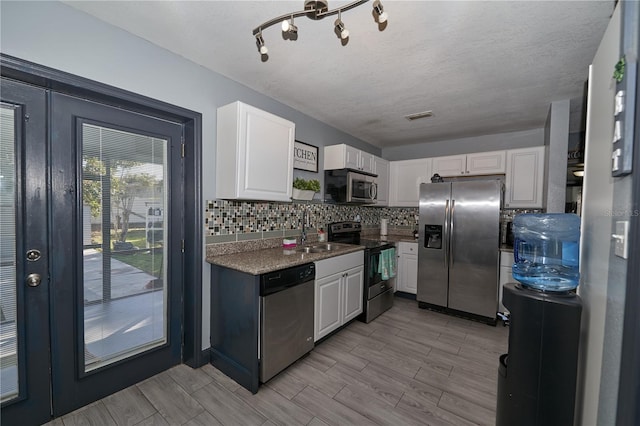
(408, 367)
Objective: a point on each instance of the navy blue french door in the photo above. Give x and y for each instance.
(24, 256)
(116, 259)
(91, 250)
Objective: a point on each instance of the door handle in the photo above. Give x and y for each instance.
(445, 237)
(33, 280)
(451, 230)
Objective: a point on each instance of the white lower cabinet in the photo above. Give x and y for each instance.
(339, 290)
(407, 267)
(328, 313)
(353, 292)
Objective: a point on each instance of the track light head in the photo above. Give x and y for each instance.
(289, 27)
(341, 30)
(382, 15)
(260, 43)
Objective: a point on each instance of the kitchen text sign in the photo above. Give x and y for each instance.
(305, 157)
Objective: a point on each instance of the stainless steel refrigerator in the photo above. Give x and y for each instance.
(458, 244)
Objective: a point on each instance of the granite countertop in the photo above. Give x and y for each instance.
(399, 239)
(258, 262)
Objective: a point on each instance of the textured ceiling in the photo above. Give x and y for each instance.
(482, 67)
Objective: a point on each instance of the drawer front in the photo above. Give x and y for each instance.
(408, 248)
(326, 267)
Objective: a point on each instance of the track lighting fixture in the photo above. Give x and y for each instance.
(340, 29)
(382, 15)
(316, 10)
(260, 43)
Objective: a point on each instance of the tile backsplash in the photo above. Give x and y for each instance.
(227, 221)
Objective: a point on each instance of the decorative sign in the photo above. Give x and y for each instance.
(625, 75)
(305, 157)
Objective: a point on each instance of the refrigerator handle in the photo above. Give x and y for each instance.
(451, 238)
(446, 234)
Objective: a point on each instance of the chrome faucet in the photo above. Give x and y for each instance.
(303, 234)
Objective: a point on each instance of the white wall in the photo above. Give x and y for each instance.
(596, 244)
(484, 143)
(58, 36)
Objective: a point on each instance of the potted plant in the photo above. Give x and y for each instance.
(305, 189)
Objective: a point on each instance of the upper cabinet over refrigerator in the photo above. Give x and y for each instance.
(479, 163)
(458, 247)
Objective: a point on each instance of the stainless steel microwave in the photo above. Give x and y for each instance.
(345, 186)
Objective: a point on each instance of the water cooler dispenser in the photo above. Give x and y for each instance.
(537, 377)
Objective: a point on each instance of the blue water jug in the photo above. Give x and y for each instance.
(546, 251)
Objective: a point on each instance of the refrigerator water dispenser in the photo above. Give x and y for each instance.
(433, 236)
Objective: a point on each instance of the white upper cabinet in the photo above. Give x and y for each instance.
(347, 157)
(524, 179)
(487, 163)
(350, 155)
(453, 165)
(381, 168)
(481, 163)
(405, 178)
(367, 162)
(254, 154)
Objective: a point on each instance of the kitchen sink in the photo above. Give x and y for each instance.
(305, 249)
(316, 248)
(326, 246)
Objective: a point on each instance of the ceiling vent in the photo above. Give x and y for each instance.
(418, 115)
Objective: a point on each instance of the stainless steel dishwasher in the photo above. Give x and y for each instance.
(286, 318)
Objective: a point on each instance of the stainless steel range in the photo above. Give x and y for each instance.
(378, 293)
